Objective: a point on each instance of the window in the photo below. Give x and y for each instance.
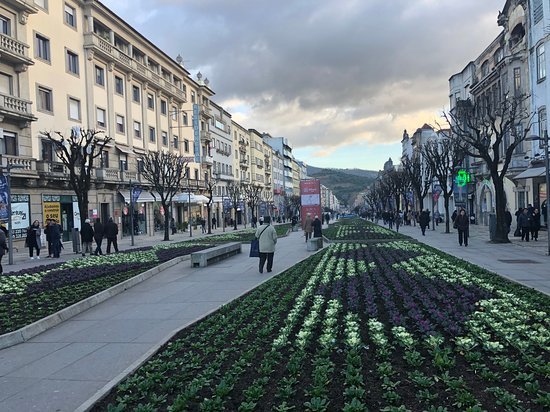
(485, 68)
(186, 145)
(99, 76)
(119, 85)
(152, 134)
(72, 62)
(137, 130)
(519, 135)
(47, 150)
(176, 142)
(193, 97)
(196, 174)
(498, 56)
(6, 83)
(5, 25)
(100, 114)
(70, 15)
(8, 143)
(542, 126)
(174, 113)
(123, 161)
(538, 11)
(74, 109)
(541, 63)
(136, 94)
(517, 80)
(42, 3)
(120, 125)
(45, 100)
(104, 159)
(164, 139)
(185, 119)
(163, 107)
(42, 45)
(150, 101)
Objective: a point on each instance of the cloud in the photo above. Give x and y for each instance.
(324, 74)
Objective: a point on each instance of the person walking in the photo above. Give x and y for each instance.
(535, 225)
(111, 233)
(391, 219)
(317, 227)
(308, 226)
(33, 239)
(508, 219)
(173, 226)
(203, 225)
(48, 237)
(98, 236)
(462, 223)
(267, 235)
(524, 222)
(87, 236)
(424, 220)
(3, 249)
(55, 236)
(214, 221)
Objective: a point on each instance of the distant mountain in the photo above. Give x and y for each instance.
(346, 184)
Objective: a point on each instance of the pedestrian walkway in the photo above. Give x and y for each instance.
(522, 262)
(63, 367)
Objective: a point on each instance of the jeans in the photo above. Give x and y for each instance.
(31, 250)
(308, 236)
(263, 258)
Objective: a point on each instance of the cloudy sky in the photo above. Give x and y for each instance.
(340, 79)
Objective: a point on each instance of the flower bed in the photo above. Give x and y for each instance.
(245, 235)
(359, 230)
(32, 294)
(388, 327)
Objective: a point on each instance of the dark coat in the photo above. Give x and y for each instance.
(424, 219)
(33, 237)
(536, 221)
(525, 220)
(47, 232)
(508, 218)
(3, 244)
(317, 225)
(454, 215)
(55, 232)
(462, 222)
(87, 232)
(111, 230)
(98, 231)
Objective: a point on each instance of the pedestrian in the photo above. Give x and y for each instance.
(55, 235)
(3, 229)
(203, 225)
(98, 236)
(3, 249)
(424, 220)
(48, 237)
(294, 221)
(508, 219)
(87, 236)
(535, 225)
(214, 221)
(524, 222)
(462, 223)
(33, 239)
(437, 216)
(173, 225)
(267, 235)
(454, 215)
(317, 227)
(111, 232)
(391, 219)
(308, 226)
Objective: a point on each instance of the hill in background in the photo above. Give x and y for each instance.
(346, 184)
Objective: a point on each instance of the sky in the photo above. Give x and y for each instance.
(341, 79)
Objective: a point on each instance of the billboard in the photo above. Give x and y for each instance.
(310, 197)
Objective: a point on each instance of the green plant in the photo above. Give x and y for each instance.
(317, 404)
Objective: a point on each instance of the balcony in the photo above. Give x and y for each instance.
(13, 51)
(204, 110)
(243, 163)
(53, 169)
(206, 136)
(25, 165)
(207, 160)
(97, 44)
(16, 109)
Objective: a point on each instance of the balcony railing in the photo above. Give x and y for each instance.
(23, 164)
(14, 50)
(206, 136)
(53, 168)
(15, 107)
(106, 174)
(208, 160)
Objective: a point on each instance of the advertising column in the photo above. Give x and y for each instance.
(310, 194)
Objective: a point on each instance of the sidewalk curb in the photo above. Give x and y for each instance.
(104, 391)
(27, 332)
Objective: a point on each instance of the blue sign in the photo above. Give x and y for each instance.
(226, 205)
(3, 197)
(196, 134)
(136, 191)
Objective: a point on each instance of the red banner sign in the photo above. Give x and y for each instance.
(310, 196)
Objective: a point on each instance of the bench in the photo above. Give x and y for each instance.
(203, 257)
(314, 244)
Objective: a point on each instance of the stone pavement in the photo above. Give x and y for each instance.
(63, 367)
(522, 262)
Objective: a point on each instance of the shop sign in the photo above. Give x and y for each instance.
(52, 210)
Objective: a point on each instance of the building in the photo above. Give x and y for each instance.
(282, 145)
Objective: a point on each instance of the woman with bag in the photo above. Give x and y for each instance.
(33, 239)
(267, 237)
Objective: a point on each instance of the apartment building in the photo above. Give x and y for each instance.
(282, 145)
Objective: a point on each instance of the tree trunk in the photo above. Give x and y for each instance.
(83, 209)
(446, 198)
(166, 221)
(501, 233)
(235, 219)
(208, 212)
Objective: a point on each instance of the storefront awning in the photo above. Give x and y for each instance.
(184, 198)
(124, 149)
(144, 196)
(532, 172)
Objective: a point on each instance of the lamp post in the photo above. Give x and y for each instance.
(132, 212)
(545, 141)
(9, 167)
(189, 206)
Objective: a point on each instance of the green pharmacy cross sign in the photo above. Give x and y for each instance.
(462, 178)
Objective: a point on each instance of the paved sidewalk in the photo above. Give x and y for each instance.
(66, 365)
(523, 262)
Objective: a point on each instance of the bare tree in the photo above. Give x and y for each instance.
(234, 191)
(252, 194)
(210, 185)
(78, 152)
(419, 177)
(294, 202)
(491, 131)
(165, 172)
(443, 157)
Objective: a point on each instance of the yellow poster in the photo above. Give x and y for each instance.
(52, 210)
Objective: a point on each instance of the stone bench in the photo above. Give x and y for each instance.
(314, 244)
(203, 257)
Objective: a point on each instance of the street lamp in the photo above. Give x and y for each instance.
(545, 141)
(9, 167)
(218, 178)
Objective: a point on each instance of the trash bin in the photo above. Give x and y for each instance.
(492, 226)
(76, 240)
